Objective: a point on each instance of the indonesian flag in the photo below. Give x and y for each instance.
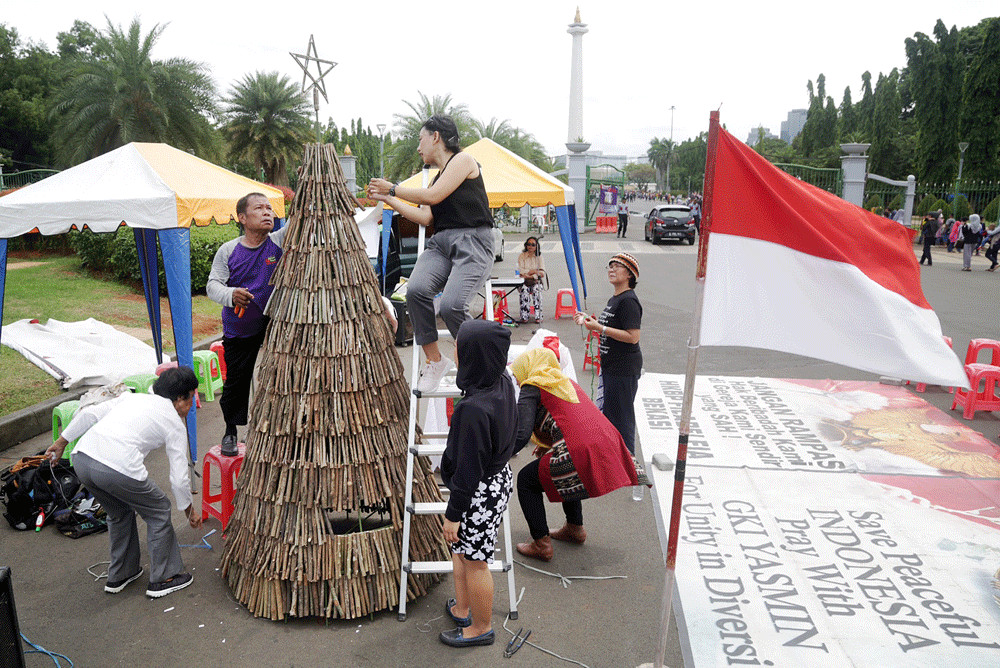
(794, 268)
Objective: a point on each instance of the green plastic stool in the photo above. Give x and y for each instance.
(206, 369)
(140, 382)
(61, 416)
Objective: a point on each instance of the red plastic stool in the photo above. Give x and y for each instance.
(499, 305)
(562, 306)
(975, 399)
(922, 387)
(229, 469)
(220, 350)
(975, 345)
(592, 352)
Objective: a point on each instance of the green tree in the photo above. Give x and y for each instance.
(641, 174)
(266, 123)
(689, 162)
(981, 107)
(660, 153)
(28, 76)
(934, 69)
(405, 161)
(78, 41)
(365, 147)
(866, 106)
(884, 156)
(848, 116)
(119, 94)
(820, 130)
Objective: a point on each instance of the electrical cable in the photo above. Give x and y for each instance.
(528, 642)
(565, 580)
(55, 656)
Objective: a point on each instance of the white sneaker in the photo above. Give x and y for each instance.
(432, 373)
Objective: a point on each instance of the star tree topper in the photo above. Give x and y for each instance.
(303, 61)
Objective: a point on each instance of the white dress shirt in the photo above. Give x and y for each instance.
(120, 432)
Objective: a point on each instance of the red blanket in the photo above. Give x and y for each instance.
(598, 452)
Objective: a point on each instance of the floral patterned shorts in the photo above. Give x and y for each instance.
(477, 535)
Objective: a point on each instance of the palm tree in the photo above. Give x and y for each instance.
(404, 160)
(118, 94)
(514, 139)
(660, 153)
(267, 122)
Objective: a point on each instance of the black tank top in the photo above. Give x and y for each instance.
(468, 206)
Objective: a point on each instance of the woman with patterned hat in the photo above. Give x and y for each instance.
(621, 359)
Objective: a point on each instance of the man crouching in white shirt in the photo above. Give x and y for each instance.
(115, 437)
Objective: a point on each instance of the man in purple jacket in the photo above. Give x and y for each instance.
(240, 282)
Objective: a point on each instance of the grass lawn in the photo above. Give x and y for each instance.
(58, 287)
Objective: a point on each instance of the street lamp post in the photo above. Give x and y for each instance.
(962, 145)
(381, 150)
(670, 150)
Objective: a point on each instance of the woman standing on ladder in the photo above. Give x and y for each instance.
(459, 257)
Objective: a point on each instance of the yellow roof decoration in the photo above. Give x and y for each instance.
(510, 179)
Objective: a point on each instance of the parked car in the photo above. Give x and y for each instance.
(671, 222)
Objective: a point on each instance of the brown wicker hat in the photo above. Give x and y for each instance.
(629, 261)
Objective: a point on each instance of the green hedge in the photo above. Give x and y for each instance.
(115, 254)
(962, 208)
(924, 205)
(944, 207)
(991, 210)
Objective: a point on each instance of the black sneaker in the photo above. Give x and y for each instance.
(229, 446)
(118, 585)
(158, 589)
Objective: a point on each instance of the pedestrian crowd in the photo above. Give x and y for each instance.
(967, 235)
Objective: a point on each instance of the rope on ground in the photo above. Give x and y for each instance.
(425, 627)
(55, 656)
(517, 604)
(565, 579)
(98, 576)
(204, 542)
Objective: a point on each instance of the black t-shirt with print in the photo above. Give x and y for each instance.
(617, 358)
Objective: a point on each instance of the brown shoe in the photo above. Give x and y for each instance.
(540, 549)
(571, 533)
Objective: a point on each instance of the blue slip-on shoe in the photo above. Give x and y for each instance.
(454, 638)
(461, 621)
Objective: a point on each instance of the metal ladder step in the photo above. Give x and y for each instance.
(429, 449)
(431, 508)
(420, 567)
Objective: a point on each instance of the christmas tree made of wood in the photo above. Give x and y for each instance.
(317, 524)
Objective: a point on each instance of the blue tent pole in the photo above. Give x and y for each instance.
(386, 231)
(3, 273)
(576, 249)
(175, 245)
(145, 245)
(565, 233)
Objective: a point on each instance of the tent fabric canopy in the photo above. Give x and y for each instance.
(158, 191)
(152, 186)
(510, 179)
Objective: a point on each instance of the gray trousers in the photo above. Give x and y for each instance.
(456, 261)
(123, 497)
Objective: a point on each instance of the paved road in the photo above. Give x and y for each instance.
(598, 623)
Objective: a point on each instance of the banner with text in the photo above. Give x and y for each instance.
(828, 523)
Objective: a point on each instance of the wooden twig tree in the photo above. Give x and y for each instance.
(326, 450)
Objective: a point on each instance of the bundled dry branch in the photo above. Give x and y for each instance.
(327, 431)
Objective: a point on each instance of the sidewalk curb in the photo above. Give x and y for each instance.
(29, 422)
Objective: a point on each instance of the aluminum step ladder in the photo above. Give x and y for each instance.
(447, 389)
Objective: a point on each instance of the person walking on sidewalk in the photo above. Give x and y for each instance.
(240, 281)
(993, 240)
(458, 259)
(622, 217)
(115, 438)
(928, 231)
(970, 239)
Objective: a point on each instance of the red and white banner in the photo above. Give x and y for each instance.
(796, 269)
(827, 523)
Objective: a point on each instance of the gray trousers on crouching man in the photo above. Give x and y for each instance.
(122, 497)
(457, 261)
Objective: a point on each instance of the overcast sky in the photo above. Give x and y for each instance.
(511, 59)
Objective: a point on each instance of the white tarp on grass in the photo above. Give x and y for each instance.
(88, 352)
